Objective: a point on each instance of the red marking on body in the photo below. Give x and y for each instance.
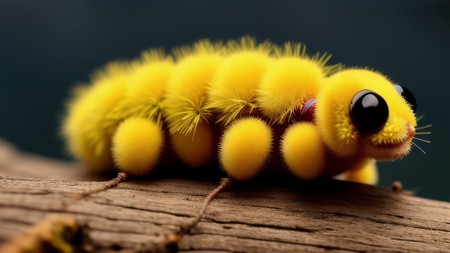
(307, 112)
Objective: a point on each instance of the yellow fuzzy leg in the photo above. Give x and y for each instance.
(245, 147)
(137, 145)
(195, 149)
(303, 152)
(368, 174)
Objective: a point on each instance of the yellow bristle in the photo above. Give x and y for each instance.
(303, 152)
(287, 85)
(146, 87)
(333, 110)
(233, 88)
(202, 47)
(137, 145)
(298, 50)
(244, 148)
(154, 55)
(111, 70)
(248, 43)
(87, 134)
(185, 99)
(243, 88)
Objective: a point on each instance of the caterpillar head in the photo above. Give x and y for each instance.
(361, 111)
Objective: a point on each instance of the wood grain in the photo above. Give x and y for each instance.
(278, 215)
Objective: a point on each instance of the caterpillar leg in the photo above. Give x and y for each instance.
(245, 147)
(195, 149)
(368, 174)
(137, 145)
(302, 151)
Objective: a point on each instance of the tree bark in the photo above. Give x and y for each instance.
(284, 216)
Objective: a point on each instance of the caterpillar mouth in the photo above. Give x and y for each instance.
(391, 151)
(386, 152)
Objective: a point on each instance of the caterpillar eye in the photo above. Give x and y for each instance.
(368, 111)
(407, 95)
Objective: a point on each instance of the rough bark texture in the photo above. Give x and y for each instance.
(262, 216)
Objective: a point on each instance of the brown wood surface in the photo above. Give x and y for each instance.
(263, 216)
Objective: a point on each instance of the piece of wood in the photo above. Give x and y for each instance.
(262, 216)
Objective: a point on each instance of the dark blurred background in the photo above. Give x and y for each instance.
(48, 46)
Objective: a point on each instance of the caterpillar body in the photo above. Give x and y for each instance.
(247, 104)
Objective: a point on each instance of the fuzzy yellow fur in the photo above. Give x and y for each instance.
(87, 130)
(367, 174)
(303, 152)
(244, 90)
(245, 147)
(185, 103)
(145, 89)
(287, 85)
(137, 144)
(333, 111)
(234, 85)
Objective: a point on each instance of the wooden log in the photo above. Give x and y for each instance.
(284, 215)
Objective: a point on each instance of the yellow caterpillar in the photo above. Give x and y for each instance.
(248, 104)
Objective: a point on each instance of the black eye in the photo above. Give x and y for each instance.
(407, 95)
(368, 111)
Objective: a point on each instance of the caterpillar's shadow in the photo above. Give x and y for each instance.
(326, 199)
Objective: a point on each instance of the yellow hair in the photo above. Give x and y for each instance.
(233, 88)
(303, 152)
(185, 102)
(137, 144)
(145, 89)
(333, 110)
(366, 174)
(245, 147)
(86, 129)
(245, 90)
(287, 85)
